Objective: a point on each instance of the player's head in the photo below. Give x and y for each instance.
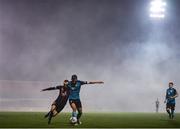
(65, 83)
(171, 84)
(74, 78)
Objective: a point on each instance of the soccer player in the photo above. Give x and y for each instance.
(74, 98)
(157, 105)
(58, 105)
(171, 94)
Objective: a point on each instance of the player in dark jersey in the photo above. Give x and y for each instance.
(58, 105)
(74, 98)
(171, 94)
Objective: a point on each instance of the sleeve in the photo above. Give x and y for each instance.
(50, 88)
(83, 82)
(175, 92)
(58, 87)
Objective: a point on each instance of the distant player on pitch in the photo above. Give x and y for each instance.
(58, 105)
(157, 105)
(74, 97)
(171, 94)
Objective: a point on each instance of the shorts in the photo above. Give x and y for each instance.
(60, 104)
(77, 102)
(170, 105)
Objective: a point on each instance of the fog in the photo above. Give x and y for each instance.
(43, 42)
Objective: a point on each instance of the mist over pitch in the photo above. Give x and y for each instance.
(49, 41)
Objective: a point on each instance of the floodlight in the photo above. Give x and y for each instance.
(157, 8)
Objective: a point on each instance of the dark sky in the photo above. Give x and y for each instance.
(111, 40)
(40, 37)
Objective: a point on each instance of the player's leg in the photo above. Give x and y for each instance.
(172, 111)
(73, 107)
(156, 109)
(168, 110)
(47, 114)
(52, 108)
(79, 115)
(52, 113)
(79, 108)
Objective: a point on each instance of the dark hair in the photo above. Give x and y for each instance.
(171, 83)
(66, 81)
(74, 77)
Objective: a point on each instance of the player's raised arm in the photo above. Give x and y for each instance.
(51, 88)
(95, 82)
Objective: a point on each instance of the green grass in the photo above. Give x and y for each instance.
(90, 120)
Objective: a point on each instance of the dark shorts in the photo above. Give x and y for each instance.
(77, 102)
(60, 104)
(170, 106)
(58, 108)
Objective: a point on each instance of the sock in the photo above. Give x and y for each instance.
(168, 111)
(47, 114)
(79, 115)
(172, 113)
(50, 117)
(74, 114)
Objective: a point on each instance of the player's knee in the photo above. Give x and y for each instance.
(53, 107)
(55, 113)
(168, 110)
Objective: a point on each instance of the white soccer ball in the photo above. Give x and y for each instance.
(73, 120)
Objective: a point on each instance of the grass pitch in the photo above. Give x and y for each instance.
(89, 120)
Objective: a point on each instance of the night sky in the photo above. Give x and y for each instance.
(43, 42)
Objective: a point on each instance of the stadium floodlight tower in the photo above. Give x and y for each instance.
(157, 9)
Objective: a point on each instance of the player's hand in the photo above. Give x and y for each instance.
(42, 90)
(172, 97)
(96, 82)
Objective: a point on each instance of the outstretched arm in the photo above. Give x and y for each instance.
(51, 88)
(95, 82)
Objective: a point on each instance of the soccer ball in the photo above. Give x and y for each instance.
(73, 120)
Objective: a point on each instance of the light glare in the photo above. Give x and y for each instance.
(157, 15)
(157, 9)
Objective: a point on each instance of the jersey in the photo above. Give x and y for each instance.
(74, 89)
(170, 93)
(61, 100)
(63, 93)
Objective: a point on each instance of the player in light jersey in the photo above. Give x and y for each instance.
(74, 97)
(171, 94)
